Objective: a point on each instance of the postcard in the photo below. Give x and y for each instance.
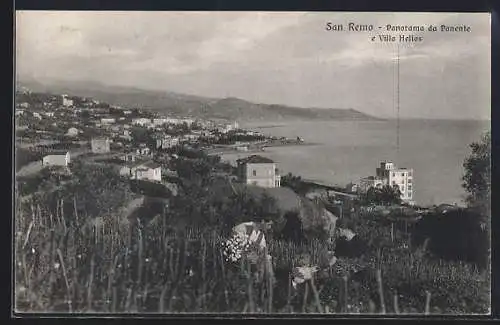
(252, 163)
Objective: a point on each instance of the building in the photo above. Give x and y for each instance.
(142, 171)
(72, 132)
(159, 121)
(259, 171)
(167, 142)
(57, 159)
(143, 150)
(141, 121)
(107, 121)
(66, 101)
(100, 145)
(129, 157)
(401, 177)
(371, 181)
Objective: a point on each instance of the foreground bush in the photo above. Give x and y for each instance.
(106, 265)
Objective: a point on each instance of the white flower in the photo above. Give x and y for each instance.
(302, 273)
(148, 259)
(56, 265)
(33, 250)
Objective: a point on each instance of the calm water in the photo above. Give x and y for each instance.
(347, 151)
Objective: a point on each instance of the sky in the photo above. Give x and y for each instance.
(268, 57)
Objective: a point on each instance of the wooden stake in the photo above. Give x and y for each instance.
(427, 302)
(380, 291)
(396, 305)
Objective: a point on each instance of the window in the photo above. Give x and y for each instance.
(403, 174)
(393, 174)
(409, 180)
(254, 172)
(409, 174)
(393, 182)
(409, 187)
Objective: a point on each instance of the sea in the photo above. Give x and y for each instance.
(340, 152)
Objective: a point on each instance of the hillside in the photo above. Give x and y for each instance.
(203, 107)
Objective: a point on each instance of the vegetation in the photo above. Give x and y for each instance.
(26, 156)
(386, 195)
(477, 178)
(295, 183)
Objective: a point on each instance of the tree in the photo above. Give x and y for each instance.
(294, 182)
(390, 195)
(386, 195)
(477, 177)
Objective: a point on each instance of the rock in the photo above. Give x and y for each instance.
(314, 218)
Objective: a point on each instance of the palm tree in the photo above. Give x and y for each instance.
(390, 195)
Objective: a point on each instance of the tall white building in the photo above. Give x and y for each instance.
(402, 177)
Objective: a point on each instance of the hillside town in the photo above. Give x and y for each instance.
(65, 127)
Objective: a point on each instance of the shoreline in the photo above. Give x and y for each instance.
(254, 148)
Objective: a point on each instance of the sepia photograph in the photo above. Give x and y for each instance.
(251, 163)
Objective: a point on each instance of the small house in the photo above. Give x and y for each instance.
(107, 121)
(57, 159)
(259, 171)
(72, 132)
(100, 145)
(142, 171)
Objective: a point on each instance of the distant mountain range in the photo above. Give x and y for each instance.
(180, 104)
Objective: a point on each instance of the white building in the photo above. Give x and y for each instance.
(401, 177)
(107, 121)
(72, 132)
(142, 171)
(159, 121)
(67, 102)
(141, 121)
(57, 159)
(100, 145)
(259, 171)
(167, 142)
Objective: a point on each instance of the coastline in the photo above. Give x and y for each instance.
(253, 148)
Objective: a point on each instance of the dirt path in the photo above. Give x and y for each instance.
(30, 169)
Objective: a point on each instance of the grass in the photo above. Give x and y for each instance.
(74, 265)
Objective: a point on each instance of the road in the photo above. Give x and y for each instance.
(36, 166)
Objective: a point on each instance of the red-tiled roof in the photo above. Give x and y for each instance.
(255, 159)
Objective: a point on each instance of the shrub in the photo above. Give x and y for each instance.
(465, 240)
